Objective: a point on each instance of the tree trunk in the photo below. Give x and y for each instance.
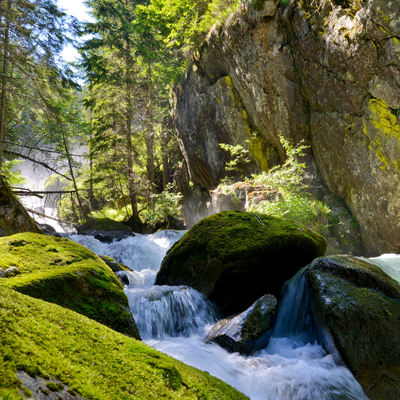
(128, 137)
(150, 135)
(71, 171)
(3, 104)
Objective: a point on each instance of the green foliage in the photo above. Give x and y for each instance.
(291, 200)
(165, 205)
(11, 173)
(240, 157)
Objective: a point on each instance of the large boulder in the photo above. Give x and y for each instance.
(50, 352)
(357, 305)
(247, 332)
(235, 257)
(60, 271)
(13, 216)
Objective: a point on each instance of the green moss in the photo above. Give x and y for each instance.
(229, 233)
(52, 386)
(46, 340)
(65, 273)
(221, 254)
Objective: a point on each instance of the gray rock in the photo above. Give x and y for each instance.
(248, 331)
(357, 307)
(12, 271)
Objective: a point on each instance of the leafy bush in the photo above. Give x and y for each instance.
(165, 205)
(292, 200)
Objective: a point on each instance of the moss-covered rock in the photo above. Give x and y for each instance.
(235, 257)
(106, 228)
(247, 332)
(60, 346)
(13, 216)
(63, 272)
(358, 307)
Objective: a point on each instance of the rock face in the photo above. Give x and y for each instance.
(235, 257)
(60, 271)
(13, 216)
(327, 74)
(248, 331)
(358, 307)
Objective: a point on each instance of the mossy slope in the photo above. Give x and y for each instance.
(359, 306)
(235, 257)
(44, 339)
(63, 272)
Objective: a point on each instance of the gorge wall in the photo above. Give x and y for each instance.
(326, 72)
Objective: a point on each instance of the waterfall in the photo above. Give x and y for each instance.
(175, 321)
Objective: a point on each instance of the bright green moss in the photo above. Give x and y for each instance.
(229, 233)
(65, 273)
(46, 340)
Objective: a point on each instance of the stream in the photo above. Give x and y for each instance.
(175, 320)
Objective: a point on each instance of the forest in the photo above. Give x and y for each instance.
(114, 103)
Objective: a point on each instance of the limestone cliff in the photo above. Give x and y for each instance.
(327, 72)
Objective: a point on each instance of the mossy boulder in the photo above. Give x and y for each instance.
(41, 342)
(63, 272)
(13, 216)
(358, 307)
(236, 257)
(247, 332)
(105, 229)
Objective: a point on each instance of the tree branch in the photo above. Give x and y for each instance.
(14, 153)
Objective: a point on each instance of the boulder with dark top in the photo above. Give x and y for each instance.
(248, 331)
(105, 229)
(235, 257)
(357, 307)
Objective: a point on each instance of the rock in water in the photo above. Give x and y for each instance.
(235, 257)
(105, 229)
(358, 307)
(63, 272)
(248, 331)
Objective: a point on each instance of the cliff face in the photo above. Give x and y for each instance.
(328, 74)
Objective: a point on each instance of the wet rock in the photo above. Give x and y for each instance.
(114, 265)
(357, 306)
(248, 331)
(222, 256)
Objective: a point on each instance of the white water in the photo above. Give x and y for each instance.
(390, 263)
(175, 320)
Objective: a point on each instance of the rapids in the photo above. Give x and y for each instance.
(175, 320)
